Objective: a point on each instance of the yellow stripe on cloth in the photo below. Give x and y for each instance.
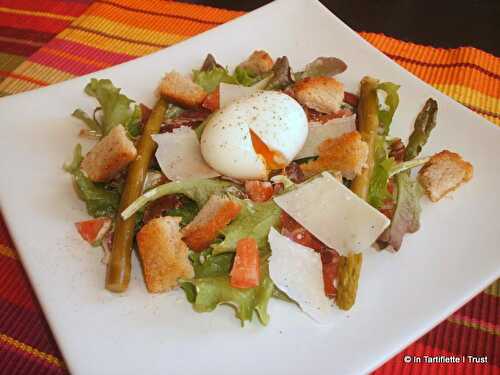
(494, 289)
(133, 33)
(36, 14)
(107, 43)
(469, 324)
(28, 74)
(31, 350)
(8, 252)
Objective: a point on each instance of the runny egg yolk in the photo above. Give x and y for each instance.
(264, 151)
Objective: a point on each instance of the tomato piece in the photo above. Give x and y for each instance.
(93, 230)
(259, 191)
(211, 102)
(245, 272)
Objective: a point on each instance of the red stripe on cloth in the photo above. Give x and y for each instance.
(78, 49)
(64, 64)
(24, 21)
(14, 285)
(17, 48)
(65, 8)
(26, 34)
(399, 364)
(28, 327)
(484, 308)
(15, 361)
(462, 340)
(4, 234)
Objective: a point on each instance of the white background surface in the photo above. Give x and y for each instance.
(401, 296)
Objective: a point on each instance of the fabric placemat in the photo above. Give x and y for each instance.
(47, 41)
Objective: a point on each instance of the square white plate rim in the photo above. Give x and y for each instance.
(368, 364)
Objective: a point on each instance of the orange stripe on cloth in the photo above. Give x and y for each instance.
(31, 350)
(434, 56)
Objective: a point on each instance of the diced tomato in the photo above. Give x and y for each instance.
(351, 99)
(245, 272)
(259, 191)
(93, 230)
(211, 102)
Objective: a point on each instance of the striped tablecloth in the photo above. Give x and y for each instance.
(47, 41)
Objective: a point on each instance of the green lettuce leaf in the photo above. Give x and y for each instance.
(210, 79)
(245, 77)
(199, 190)
(378, 191)
(100, 199)
(92, 124)
(115, 108)
(387, 109)
(254, 220)
(206, 264)
(186, 212)
(207, 293)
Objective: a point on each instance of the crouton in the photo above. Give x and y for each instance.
(259, 62)
(443, 173)
(346, 154)
(163, 255)
(323, 94)
(108, 157)
(212, 218)
(181, 90)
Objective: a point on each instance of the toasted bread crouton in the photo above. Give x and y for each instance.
(164, 256)
(443, 173)
(181, 90)
(212, 218)
(259, 62)
(324, 94)
(346, 154)
(108, 157)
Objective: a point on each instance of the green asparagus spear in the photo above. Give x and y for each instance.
(348, 276)
(368, 127)
(425, 122)
(118, 271)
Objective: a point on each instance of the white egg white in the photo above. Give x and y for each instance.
(276, 118)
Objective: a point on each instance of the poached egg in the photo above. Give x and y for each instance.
(253, 135)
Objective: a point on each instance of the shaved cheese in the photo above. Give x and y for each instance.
(297, 271)
(229, 93)
(180, 157)
(334, 214)
(318, 133)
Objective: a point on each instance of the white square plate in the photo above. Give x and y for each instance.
(401, 296)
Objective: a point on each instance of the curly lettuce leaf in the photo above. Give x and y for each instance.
(206, 293)
(92, 124)
(100, 199)
(407, 215)
(388, 108)
(210, 79)
(378, 190)
(199, 190)
(245, 77)
(322, 66)
(254, 220)
(206, 264)
(115, 109)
